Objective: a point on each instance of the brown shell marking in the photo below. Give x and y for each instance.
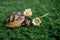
(14, 16)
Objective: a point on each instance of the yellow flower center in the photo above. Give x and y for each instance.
(36, 21)
(27, 12)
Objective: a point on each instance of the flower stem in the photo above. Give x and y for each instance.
(44, 15)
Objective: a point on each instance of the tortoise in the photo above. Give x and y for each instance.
(17, 19)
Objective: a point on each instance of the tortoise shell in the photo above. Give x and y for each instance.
(17, 19)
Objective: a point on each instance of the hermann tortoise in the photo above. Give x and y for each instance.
(17, 19)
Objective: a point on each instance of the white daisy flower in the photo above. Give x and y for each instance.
(36, 21)
(28, 12)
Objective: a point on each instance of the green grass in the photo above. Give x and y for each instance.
(49, 28)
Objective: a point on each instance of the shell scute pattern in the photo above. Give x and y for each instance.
(17, 19)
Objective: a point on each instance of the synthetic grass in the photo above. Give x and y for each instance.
(49, 28)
